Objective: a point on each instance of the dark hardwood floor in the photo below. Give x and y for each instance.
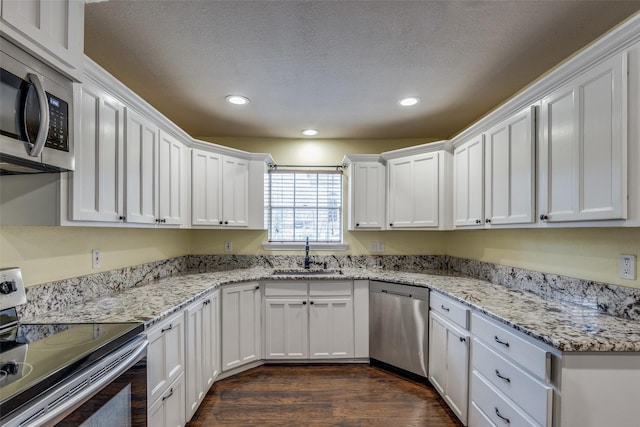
(322, 395)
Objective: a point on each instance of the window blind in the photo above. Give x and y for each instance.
(301, 204)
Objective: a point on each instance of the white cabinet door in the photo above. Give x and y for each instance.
(330, 328)
(202, 344)
(170, 180)
(206, 188)
(241, 325)
(235, 192)
(96, 183)
(414, 191)
(449, 363)
(510, 170)
(367, 196)
(469, 183)
(169, 410)
(50, 28)
(583, 164)
(286, 328)
(165, 356)
(141, 172)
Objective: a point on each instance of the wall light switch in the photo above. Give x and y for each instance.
(96, 256)
(373, 246)
(627, 267)
(381, 246)
(228, 246)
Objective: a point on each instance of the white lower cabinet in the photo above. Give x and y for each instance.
(510, 380)
(202, 349)
(169, 410)
(309, 320)
(241, 325)
(165, 372)
(449, 352)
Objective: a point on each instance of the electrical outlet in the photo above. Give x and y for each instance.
(381, 246)
(627, 267)
(373, 246)
(228, 246)
(96, 256)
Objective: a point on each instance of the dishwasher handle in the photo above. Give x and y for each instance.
(400, 294)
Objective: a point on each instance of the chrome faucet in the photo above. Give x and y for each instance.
(307, 258)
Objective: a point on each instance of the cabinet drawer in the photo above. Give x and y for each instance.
(477, 418)
(450, 309)
(527, 392)
(322, 288)
(495, 406)
(531, 356)
(285, 289)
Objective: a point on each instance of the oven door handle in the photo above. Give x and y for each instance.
(34, 149)
(90, 381)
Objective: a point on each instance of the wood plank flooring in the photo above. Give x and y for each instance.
(322, 395)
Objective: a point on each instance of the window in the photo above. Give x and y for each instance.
(301, 204)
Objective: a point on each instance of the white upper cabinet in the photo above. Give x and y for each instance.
(219, 189)
(51, 29)
(510, 170)
(417, 187)
(141, 168)
(583, 150)
(366, 194)
(468, 167)
(170, 177)
(97, 182)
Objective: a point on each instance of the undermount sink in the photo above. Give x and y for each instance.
(302, 272)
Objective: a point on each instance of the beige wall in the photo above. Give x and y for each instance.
(52, 253)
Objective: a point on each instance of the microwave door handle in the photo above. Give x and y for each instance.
(35, 149)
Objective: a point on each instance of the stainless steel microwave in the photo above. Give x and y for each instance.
(36, 113)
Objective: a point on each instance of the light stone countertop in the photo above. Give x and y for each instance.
(563, 326)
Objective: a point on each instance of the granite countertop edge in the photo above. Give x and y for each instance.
(563, 326)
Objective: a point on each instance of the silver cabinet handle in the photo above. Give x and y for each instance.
(504, 343)
(168, 395)
(502, 377)
(503, 418)
(35, 149)
(168, 328)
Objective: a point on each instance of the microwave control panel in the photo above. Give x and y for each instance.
(58, 137)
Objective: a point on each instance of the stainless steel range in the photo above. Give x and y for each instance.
(68, 374)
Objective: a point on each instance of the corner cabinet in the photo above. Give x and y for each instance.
(583, 152)
(366, 189)
(220, 189)
(418, 187)
(241, 325)
(51, 29)
(494, 174)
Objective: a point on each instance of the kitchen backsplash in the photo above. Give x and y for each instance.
(615, 300)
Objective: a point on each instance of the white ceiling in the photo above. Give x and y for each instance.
(338, 66)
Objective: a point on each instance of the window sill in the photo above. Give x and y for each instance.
(299, 246)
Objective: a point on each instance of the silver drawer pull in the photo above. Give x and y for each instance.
(171, 394)
(505, 419)
(444, 308)
(504, 343)
(502, 378)
(168, 328)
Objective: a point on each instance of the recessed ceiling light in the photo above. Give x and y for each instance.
(408, 102)
(237, 100)
(310, 132)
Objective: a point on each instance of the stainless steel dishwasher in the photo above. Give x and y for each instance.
(399, 326)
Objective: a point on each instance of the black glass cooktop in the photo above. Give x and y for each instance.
(35, 357)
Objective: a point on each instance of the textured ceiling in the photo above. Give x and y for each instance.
(338, 66)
